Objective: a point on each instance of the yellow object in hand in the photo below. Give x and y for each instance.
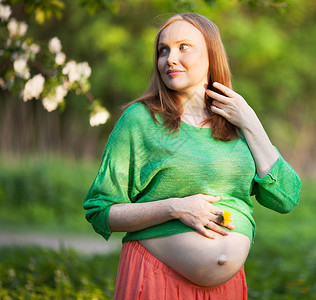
(226, 217)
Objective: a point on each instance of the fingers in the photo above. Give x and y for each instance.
(229, 225)
(219, 111)
(216, 96)
(214, 227)
(217, 218)
(221, 222)
(226, 90)
(215, 211)
(218, 104)
(201, 229)
(228, 93)
(210, 198)
(211, 218)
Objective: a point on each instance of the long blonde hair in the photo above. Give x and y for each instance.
(160, 99)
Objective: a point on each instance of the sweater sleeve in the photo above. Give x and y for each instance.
(280, 189)
(115, 181)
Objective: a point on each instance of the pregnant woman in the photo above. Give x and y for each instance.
(186, 151)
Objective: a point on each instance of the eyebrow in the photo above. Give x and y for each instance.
(177, 42)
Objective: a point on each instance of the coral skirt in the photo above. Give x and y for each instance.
(141, 276)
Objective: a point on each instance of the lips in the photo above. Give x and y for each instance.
(174, 71)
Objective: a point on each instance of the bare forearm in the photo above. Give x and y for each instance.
(195, 211)
(129, 217)
(261, 147)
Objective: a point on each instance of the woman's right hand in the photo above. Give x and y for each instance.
(197, 212)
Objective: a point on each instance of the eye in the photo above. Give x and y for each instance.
(163, 50)
(184, 47)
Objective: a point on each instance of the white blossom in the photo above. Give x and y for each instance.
(60, 58)
(5, 12)
(84, 69)
(21, 68)
(16, 28)
(33, 87)
(34, 48)
(13, 27)
(51, 102)
(76, 71)
(99, 117)
(54, 45)
(70, 69)
(22, 28)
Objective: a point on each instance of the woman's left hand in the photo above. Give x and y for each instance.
(232, 107)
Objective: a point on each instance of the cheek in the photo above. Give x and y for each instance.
(204, 60)
(200, 63)
(194, 59)
(197, 63)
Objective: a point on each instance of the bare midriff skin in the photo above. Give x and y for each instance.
(204, 261)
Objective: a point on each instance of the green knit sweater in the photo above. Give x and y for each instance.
(143, 162)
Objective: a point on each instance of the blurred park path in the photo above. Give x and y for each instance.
(81, 244)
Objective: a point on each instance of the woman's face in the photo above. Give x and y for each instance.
(182, 58)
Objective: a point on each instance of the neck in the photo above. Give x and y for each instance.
(194, 110)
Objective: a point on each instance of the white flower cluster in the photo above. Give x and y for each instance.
(16, 29)
(77, 71)
(21, 68)
(74, 75)
(33, 87)
(5, 12)
(99, 117)
(31, 49)
(54, 46)
(51, 102)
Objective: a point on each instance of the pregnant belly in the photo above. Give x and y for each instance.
(205, 262)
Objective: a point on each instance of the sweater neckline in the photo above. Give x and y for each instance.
(187, 125)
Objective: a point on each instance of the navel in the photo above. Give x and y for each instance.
(222, 259)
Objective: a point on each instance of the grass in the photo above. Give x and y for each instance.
(45, 194)
(37, 273)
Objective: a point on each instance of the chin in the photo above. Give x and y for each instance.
(177, 87)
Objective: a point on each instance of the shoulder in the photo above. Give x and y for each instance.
(137, 114)
(135, 111)
(135, 120)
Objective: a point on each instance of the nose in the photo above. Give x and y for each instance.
(172, 58)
